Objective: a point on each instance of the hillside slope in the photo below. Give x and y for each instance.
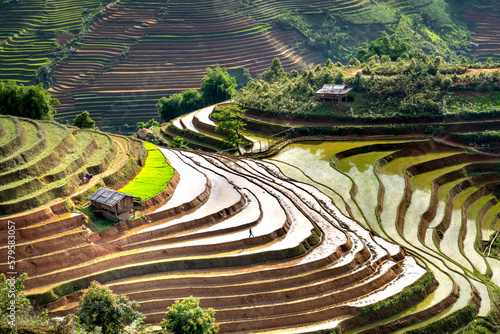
(132, 52)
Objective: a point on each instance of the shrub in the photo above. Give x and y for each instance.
(187, 317)
(84, 121)
(99, 307)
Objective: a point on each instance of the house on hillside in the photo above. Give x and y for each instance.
(113, 205)
(333, 93)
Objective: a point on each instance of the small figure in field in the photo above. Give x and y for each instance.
(84, 180)
(251, 234)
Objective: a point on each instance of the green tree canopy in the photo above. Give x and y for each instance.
(26, 101)
(389, 45)
(147, 125)
(179, 104)
(84, 121)
(275, 72)
(229, 118)
(13, 301)
(99, 307)
(217, 86)
(187, 317)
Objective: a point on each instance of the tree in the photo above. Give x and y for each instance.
(229, 118)
(26, 101)
(169, 108)
(147, 125)
(187, 317)
(178, 142)
(389, 45)
(179, 104)
(84, 121)
(275, 72)
(13, 301)
(99, 307)
(217, 86)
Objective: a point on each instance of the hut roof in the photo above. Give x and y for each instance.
(334, 89)
(109, 197)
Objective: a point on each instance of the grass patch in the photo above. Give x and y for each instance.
(416, 290)
(153, 177)
(96, 223)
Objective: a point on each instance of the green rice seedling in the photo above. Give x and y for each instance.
(154, 176)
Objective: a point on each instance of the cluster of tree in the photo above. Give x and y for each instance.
(216, 86)
(230, 123)
(26, 101)
(387, 45)
(420, 64)
(84, 121)
(322, 32)
(6, 2)
(147, 125)
(100, 311)
(415, 89)
(291, 92)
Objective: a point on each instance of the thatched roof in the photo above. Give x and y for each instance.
(334, 89)
(109, 197)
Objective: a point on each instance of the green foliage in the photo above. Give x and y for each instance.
(147, 125)
(389, 45)
(13, 301)
(229, 118)
(274, 73)
(26, 101)
(322, 32)
(478, 138)
(153, 177)
(217, 86)
(178, 142)
(6, 2)
(179, 104)
(84, 121)
(187, 317)
(449, 324)
(417, 289)
(99, 307)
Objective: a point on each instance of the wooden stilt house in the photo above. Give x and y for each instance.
(114, 205)
(333, 93)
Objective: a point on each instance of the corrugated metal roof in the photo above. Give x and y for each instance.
(334, 89)
(108, 197)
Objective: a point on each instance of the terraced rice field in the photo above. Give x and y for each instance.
(487, 34)
(28, 31)
(42, 161)
(138, 52)
(306, 267)
(423, 195)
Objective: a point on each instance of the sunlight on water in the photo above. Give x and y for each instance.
(419, 204)
(469, 250)
(367, 194)
(485, 299)
(317, 167)
(429, 233)
(394, 189)
(449, 243)
(495, 268)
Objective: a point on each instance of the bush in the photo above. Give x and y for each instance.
(187, 317)
(99, 307)
(26, 101)
(84, 121)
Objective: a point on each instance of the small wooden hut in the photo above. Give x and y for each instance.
(333, 93)
(114, 205)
